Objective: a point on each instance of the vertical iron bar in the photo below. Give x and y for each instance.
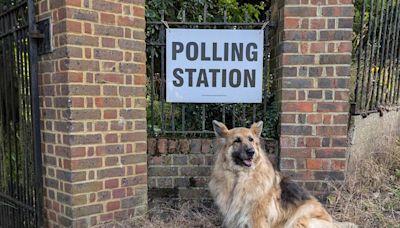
(392, 58)
(385, 76)
(3, 175)
(173, 117)
(7, 80)
(28, 101)
(371, 75)
(397, 86)
(266, 67)
(15, 98)
(205, 12)
(254, 112)
(15, 121)
(183, 117)
(2, 135)
(2, 152)
(23, 122)
(224, 105)
(225, 14)
(360, 50)
(152, 90)
(233, 115)
(382, 59)
(223, 114)
(246, 17)
(162, 40)
(20, 100)
(203, 117)
(378, 50)
(243, 119)
(363, 86)
(16, 110)
(244, 114)
(11, 119)
(33, 70)
(203, 106)
(396, 58)
(183, 105)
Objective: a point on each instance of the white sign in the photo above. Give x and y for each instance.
(214, 66)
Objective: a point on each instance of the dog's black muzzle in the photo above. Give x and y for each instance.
(244, 157)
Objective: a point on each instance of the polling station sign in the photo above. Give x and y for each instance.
(214, 65)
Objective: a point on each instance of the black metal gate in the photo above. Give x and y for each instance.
(190, 118)
(376, 57)
(20, 156)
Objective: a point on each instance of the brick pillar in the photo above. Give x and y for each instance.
(93, 112)
(312, 64)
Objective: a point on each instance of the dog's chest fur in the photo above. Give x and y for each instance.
(238, 195)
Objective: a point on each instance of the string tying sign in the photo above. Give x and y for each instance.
(214, 66)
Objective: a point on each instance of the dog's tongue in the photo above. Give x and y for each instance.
(247, 162)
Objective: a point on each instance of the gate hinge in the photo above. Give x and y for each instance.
(353, 108)
(273, 24)
(44, 36)
(36, 35)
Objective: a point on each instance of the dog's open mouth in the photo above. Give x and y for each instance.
(247, 162)
(242, 160)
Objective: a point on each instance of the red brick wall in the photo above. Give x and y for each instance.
(93, 112)
(179, 169)
(312, 59)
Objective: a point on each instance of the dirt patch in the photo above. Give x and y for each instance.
(190, 214)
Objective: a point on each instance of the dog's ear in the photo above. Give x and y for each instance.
(220, 129)
(257, 128)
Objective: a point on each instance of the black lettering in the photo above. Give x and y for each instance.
(190, 74)
(202, 79)
(192, 55)
(251, 55)
(250, 79)
(226, 53)
(214, 76)
(223, 78)
(178, 83)
(237, 52)
(203, 53)
(232, 77)
(215, 53)
(177, 47)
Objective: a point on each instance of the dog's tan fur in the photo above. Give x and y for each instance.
(252, 196)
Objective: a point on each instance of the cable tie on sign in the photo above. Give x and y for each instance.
(165, 23)
(264, 25)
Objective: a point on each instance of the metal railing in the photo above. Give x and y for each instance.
(173, 118)
(376, 86)
(21, 201)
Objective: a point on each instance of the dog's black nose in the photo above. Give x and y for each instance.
(250, 152)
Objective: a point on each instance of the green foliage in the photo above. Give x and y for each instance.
(194, 10)
(358, 4)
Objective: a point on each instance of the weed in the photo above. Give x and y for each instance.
(370, 195)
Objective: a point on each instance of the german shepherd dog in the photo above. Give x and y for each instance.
(251, 194)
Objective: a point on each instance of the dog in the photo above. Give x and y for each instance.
(251, 194)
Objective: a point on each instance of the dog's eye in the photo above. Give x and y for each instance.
(237, 140)
(251, 139)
